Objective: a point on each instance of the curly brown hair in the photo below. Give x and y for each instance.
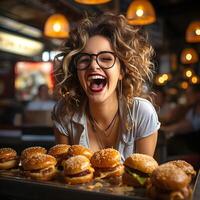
(129, 44)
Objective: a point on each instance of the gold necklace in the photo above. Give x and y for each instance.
(108, 130)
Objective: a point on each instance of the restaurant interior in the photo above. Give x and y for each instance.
(28, 45)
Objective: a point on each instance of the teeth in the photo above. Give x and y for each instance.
(95, 77)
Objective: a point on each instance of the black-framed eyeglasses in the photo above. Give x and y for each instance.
(105, 60)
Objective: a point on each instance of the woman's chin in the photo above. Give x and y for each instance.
(96, 99)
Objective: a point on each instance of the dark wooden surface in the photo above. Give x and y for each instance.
(16, 187)
(22, 188)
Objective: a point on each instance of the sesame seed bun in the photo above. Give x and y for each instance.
(75, 150)
(106, 163)
(76, 164)
(8, 158)
(138, 168)
(106, 158)
(169, 177)
(77, 170)
(185, 166)
(141, 162)
(7, 153)
(30, 151)
(169, 182)
(58, 150)
(40, 167)
(39, 161)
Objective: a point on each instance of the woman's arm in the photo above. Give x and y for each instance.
(60, 138)
(147, 145)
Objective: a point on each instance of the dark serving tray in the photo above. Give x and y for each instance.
(14, 186)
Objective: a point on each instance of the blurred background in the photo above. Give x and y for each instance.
(32, 31)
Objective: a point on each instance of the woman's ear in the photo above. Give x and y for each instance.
(121, 75)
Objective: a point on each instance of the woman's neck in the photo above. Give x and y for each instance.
(103, 113)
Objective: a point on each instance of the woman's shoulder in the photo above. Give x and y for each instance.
(143, 106)
(139, 101)
(145, 116)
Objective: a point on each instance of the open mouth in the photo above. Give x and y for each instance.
(97, 83)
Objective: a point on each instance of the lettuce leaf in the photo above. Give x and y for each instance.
(140, 179)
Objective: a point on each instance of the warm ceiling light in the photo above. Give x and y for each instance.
(189, 56)
(188, 73)
(56, 26)
(194, 79)
(197, 31)
(140, 12)
(92, 2)
(165, 77)
(193, 32)
(184, 85)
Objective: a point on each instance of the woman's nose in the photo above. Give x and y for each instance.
(93, 63)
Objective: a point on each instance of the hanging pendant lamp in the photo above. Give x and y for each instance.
(193, 32)
(92, 2)
(189, 56)
(56, 26)
(140, 12)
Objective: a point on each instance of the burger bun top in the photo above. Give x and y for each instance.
(169, 177)
(58, 149)
(6, 153)
(106, 158)
(185, 166)
(76, 164)
(30, 151)
(141, 162)
(39, 161)
(75, 150)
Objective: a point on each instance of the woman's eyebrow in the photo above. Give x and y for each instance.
(105, 50)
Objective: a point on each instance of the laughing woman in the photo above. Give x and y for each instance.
(105, 64)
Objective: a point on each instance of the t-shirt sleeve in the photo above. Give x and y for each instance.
(146, 118)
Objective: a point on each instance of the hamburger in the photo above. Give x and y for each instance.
(31, 151)
(75, 150)
(39, 167)
(169, 182)
(106, 163)
(185, 166)
(8, 158)
(138, 168)
(59, 151)
(77, 170)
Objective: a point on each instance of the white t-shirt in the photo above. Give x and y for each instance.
(140, 120)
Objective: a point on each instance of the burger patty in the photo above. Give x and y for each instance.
(43, 171)
(2, 160)
(79, 174)
(106, 172)
(135, 171)
(106, 169)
